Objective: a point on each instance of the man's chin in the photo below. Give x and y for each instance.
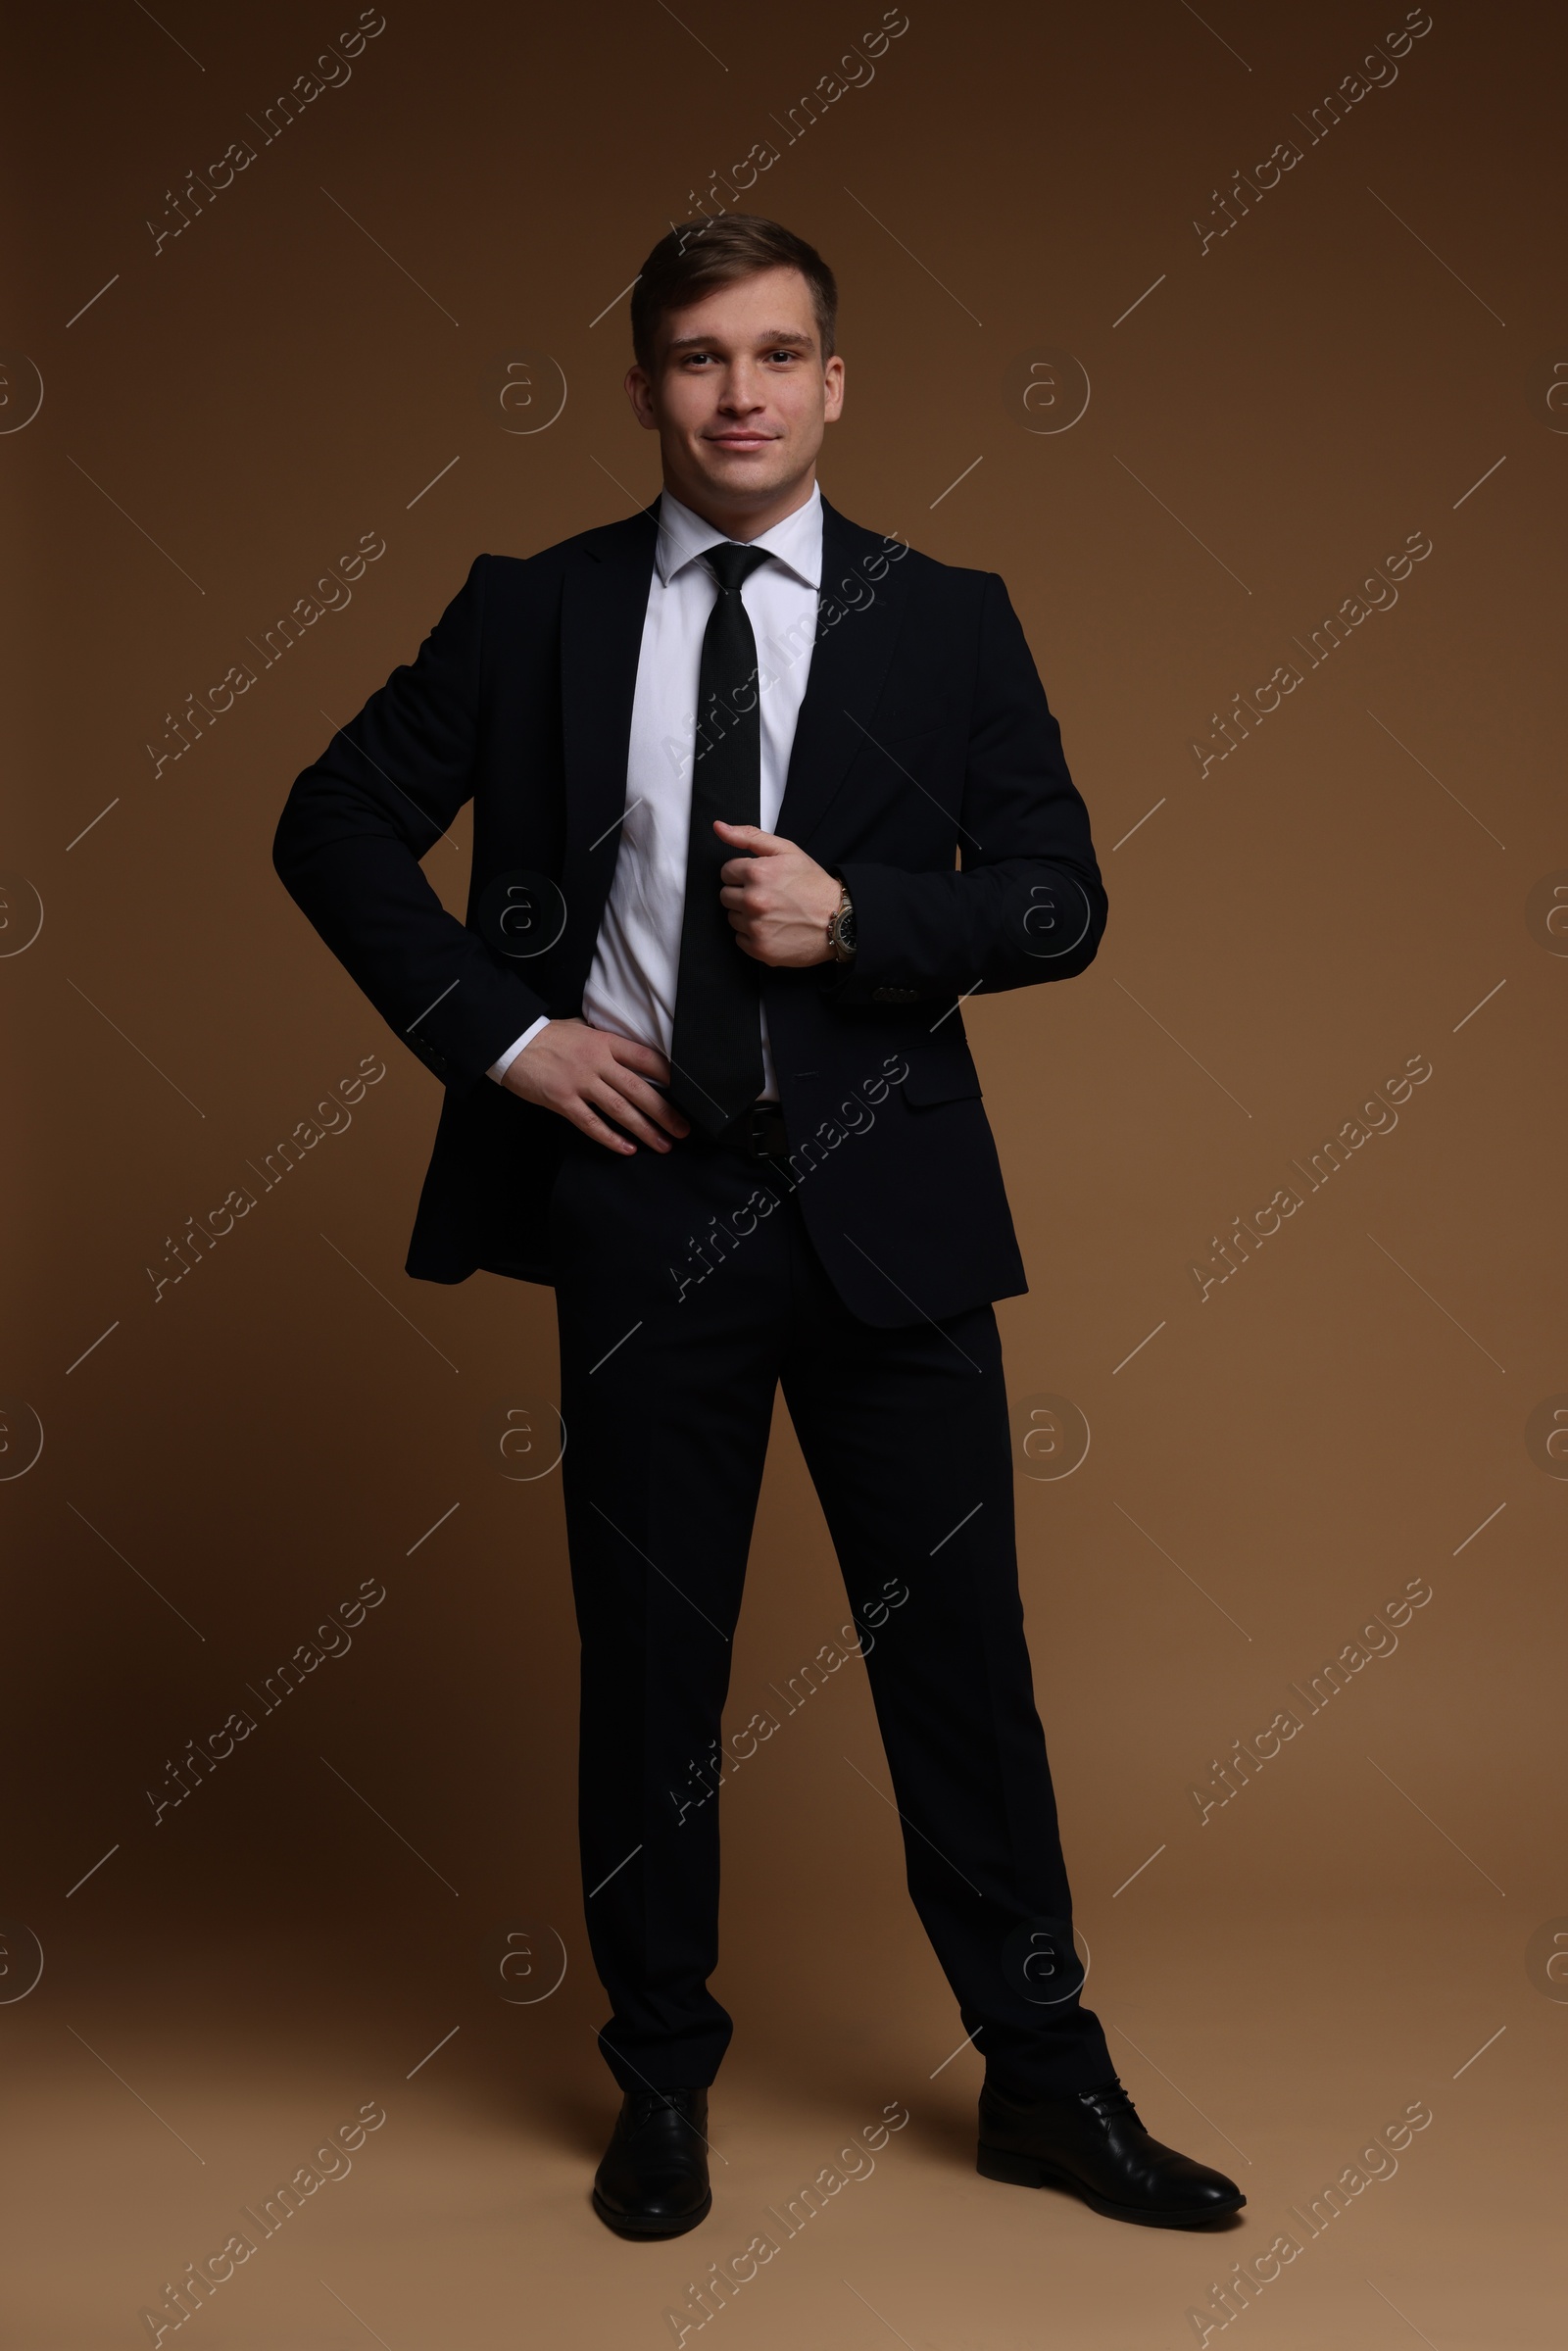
(741, 473)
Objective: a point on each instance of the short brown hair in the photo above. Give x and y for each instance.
(699, 257)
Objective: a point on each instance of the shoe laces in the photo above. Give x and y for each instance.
(646, 2103)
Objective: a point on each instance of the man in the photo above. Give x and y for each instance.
(759, 798)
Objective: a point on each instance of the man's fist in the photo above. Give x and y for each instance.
(779, 901)
(580, 1071)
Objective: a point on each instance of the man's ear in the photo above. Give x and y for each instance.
(639, 393)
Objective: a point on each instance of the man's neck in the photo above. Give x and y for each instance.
(751, 521)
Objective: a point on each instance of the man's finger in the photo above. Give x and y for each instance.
(653, 1104)
(579, 1115)
(599, 1094)
(641, 1057)
(753, 838)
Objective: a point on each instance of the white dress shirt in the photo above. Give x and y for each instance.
(631, 985)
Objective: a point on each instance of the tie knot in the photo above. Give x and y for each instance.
(731, 563)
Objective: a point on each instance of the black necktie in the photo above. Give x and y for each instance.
(715, 1057)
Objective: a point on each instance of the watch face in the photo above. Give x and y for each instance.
(846, 929)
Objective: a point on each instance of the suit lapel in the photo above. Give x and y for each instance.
(850, 660)
(605, 600)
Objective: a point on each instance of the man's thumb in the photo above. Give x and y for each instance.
(761, 843)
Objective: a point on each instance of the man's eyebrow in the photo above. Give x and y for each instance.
(767, 340)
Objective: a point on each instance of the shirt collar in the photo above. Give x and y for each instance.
(796, 542)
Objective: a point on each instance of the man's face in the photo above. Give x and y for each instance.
(739, 394)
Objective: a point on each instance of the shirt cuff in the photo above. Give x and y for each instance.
(503, 1062)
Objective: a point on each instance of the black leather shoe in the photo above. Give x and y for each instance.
(1092, 2144)
(653, 2178)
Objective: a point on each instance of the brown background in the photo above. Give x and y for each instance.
(224, 421)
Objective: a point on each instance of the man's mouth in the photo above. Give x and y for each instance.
(742, 440)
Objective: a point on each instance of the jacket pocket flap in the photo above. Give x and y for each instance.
(939, 1078)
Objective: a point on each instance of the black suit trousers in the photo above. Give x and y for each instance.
(669, 1376)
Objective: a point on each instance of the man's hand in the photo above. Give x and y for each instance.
(579, 1072)
(779, 903)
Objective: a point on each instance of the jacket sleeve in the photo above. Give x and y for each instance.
(1027, 902)
(351, 837)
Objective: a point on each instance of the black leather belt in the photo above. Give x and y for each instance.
(757, 1132)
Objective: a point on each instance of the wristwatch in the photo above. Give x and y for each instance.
(841, 929)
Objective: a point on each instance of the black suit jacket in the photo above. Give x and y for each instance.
(924, 737)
